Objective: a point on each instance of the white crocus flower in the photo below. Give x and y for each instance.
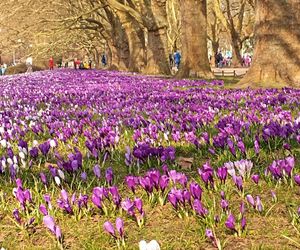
(57, 180)
(61, 174)
(22, 155)
(24, 151)
(9, 161)
(3, 143)
(15, 159)
(24, 164)
(35, 143)
(3, 162)
(152, 245)
(52, 143)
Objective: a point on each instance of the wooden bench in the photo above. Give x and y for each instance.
(227, 73)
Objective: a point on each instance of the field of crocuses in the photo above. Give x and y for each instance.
(104, 160)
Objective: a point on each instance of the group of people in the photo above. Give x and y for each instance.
(222, 61)
(246, 61)
(76, 63)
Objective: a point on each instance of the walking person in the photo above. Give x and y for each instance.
(51, 63)
(4, 68)
(177, 59)
(103, 60)
(29, 62)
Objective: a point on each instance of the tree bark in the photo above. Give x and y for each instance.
(136, 42)
(195, 61)
(157, 42)
(119, 54)
(236, 51)
(276, 60)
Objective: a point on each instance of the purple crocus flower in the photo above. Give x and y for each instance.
(120, 227)
(82, 201)
(287, 146)
(241, 146)
(115, 195)
(163, 182)
(182, 179)
(101, 192)
(16, 215)
(186, 196)
(255, 178)
(58, 234)
(27, 195)
(222, 174)
(224, 205)
(146, 184)
(195, 190)
(238, 180)
(231, 147)
(53, 170)
(243, 223)
(297, 179)
(43, 209)
(256, 146)
(34, 152)
(43, 178)
(250, 200)
(242, 208)
(83, 176)
(97, 201)
(216, 218)
(64, 195)
(172, 198)
(155, 176)
(49, 223)
(274, 197)
(44, 148)
(209, 234)
(97, 171)
(222, 193)
(131, 182)
(230, 222)
(259, 205)
(199, 209)
(47, 199)
(206, 173)
(13, 172)
(109, 228)
(165, 169)
(19, 183)
(139, 205)
(128, 206)
(109, 175)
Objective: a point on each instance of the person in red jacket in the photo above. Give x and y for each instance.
(51, 63)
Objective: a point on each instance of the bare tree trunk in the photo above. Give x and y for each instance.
(136, 42)
(236, 52)
(157, 46)
(277, 50)
(119, 56)
(215, 47)
(194, 40)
